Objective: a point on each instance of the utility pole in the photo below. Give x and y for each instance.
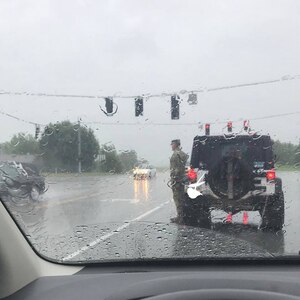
(79, 147)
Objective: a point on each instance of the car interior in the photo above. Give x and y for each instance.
(149, 150)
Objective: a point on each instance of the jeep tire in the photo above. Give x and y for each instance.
(272, 212)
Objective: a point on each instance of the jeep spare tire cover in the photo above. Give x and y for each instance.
(230, 178)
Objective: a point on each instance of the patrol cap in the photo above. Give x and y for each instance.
(177, 142)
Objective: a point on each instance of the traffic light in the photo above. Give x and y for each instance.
(109, 104)
(109, 107)
(229, 126)
(192, 100)
(139, 106)
(175, 107)
(37, 131)
(207, 129)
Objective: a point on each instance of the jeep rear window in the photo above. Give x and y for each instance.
(208, 150)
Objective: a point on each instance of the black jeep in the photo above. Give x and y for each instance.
(236, 174)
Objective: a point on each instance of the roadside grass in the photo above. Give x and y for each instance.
(288, 168)
(68, 174)
(283, 168)
(162, 169)
(83, 174)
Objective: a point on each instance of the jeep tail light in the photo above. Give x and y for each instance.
(246, 125)
(192, 175)
(270, 175)
(207, 129)
(229, 126)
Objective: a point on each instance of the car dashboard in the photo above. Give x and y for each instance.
(235, 281)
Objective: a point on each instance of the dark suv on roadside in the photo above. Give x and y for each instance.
(21, 180)
(237, 174)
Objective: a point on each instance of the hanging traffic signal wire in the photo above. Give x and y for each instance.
(192, 97)
(182, 92)
(20, 119)
(191, 123)
(159, 124)
(146, 123)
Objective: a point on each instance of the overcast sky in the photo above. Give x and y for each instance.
(120, 47)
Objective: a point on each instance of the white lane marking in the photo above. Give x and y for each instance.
(123, 200)
(49, 203)
(110, 234)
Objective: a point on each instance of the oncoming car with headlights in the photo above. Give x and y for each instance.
(144, 171)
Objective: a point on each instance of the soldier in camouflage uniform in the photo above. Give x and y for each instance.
(177, 173)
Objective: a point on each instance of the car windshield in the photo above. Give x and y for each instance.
(9, 169)
(144, 130)
(143, 166)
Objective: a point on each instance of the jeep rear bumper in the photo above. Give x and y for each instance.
(253, 200)
(247, 204)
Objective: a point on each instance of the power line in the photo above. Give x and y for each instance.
(149, 95)
(19, 119)
(283, 78)
(258, 118)
(276, 116)
(48, 95)
(156, 124)
(141, 124)
(190, 123)
(243, 85)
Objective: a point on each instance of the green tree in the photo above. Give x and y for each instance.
(285, 152)
(112, 161)
(59, 143)
(143, 161)
(297, 155)
(128, 159)
(21, 143)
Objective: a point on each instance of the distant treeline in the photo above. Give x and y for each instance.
(56, 150)
(287, 153)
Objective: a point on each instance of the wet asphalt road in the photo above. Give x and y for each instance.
(114, 216)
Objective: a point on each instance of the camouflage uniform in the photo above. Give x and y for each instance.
(177, 173)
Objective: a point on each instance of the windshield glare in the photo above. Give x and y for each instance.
(151, 129)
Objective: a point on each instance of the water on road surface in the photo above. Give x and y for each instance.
(113, 216)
